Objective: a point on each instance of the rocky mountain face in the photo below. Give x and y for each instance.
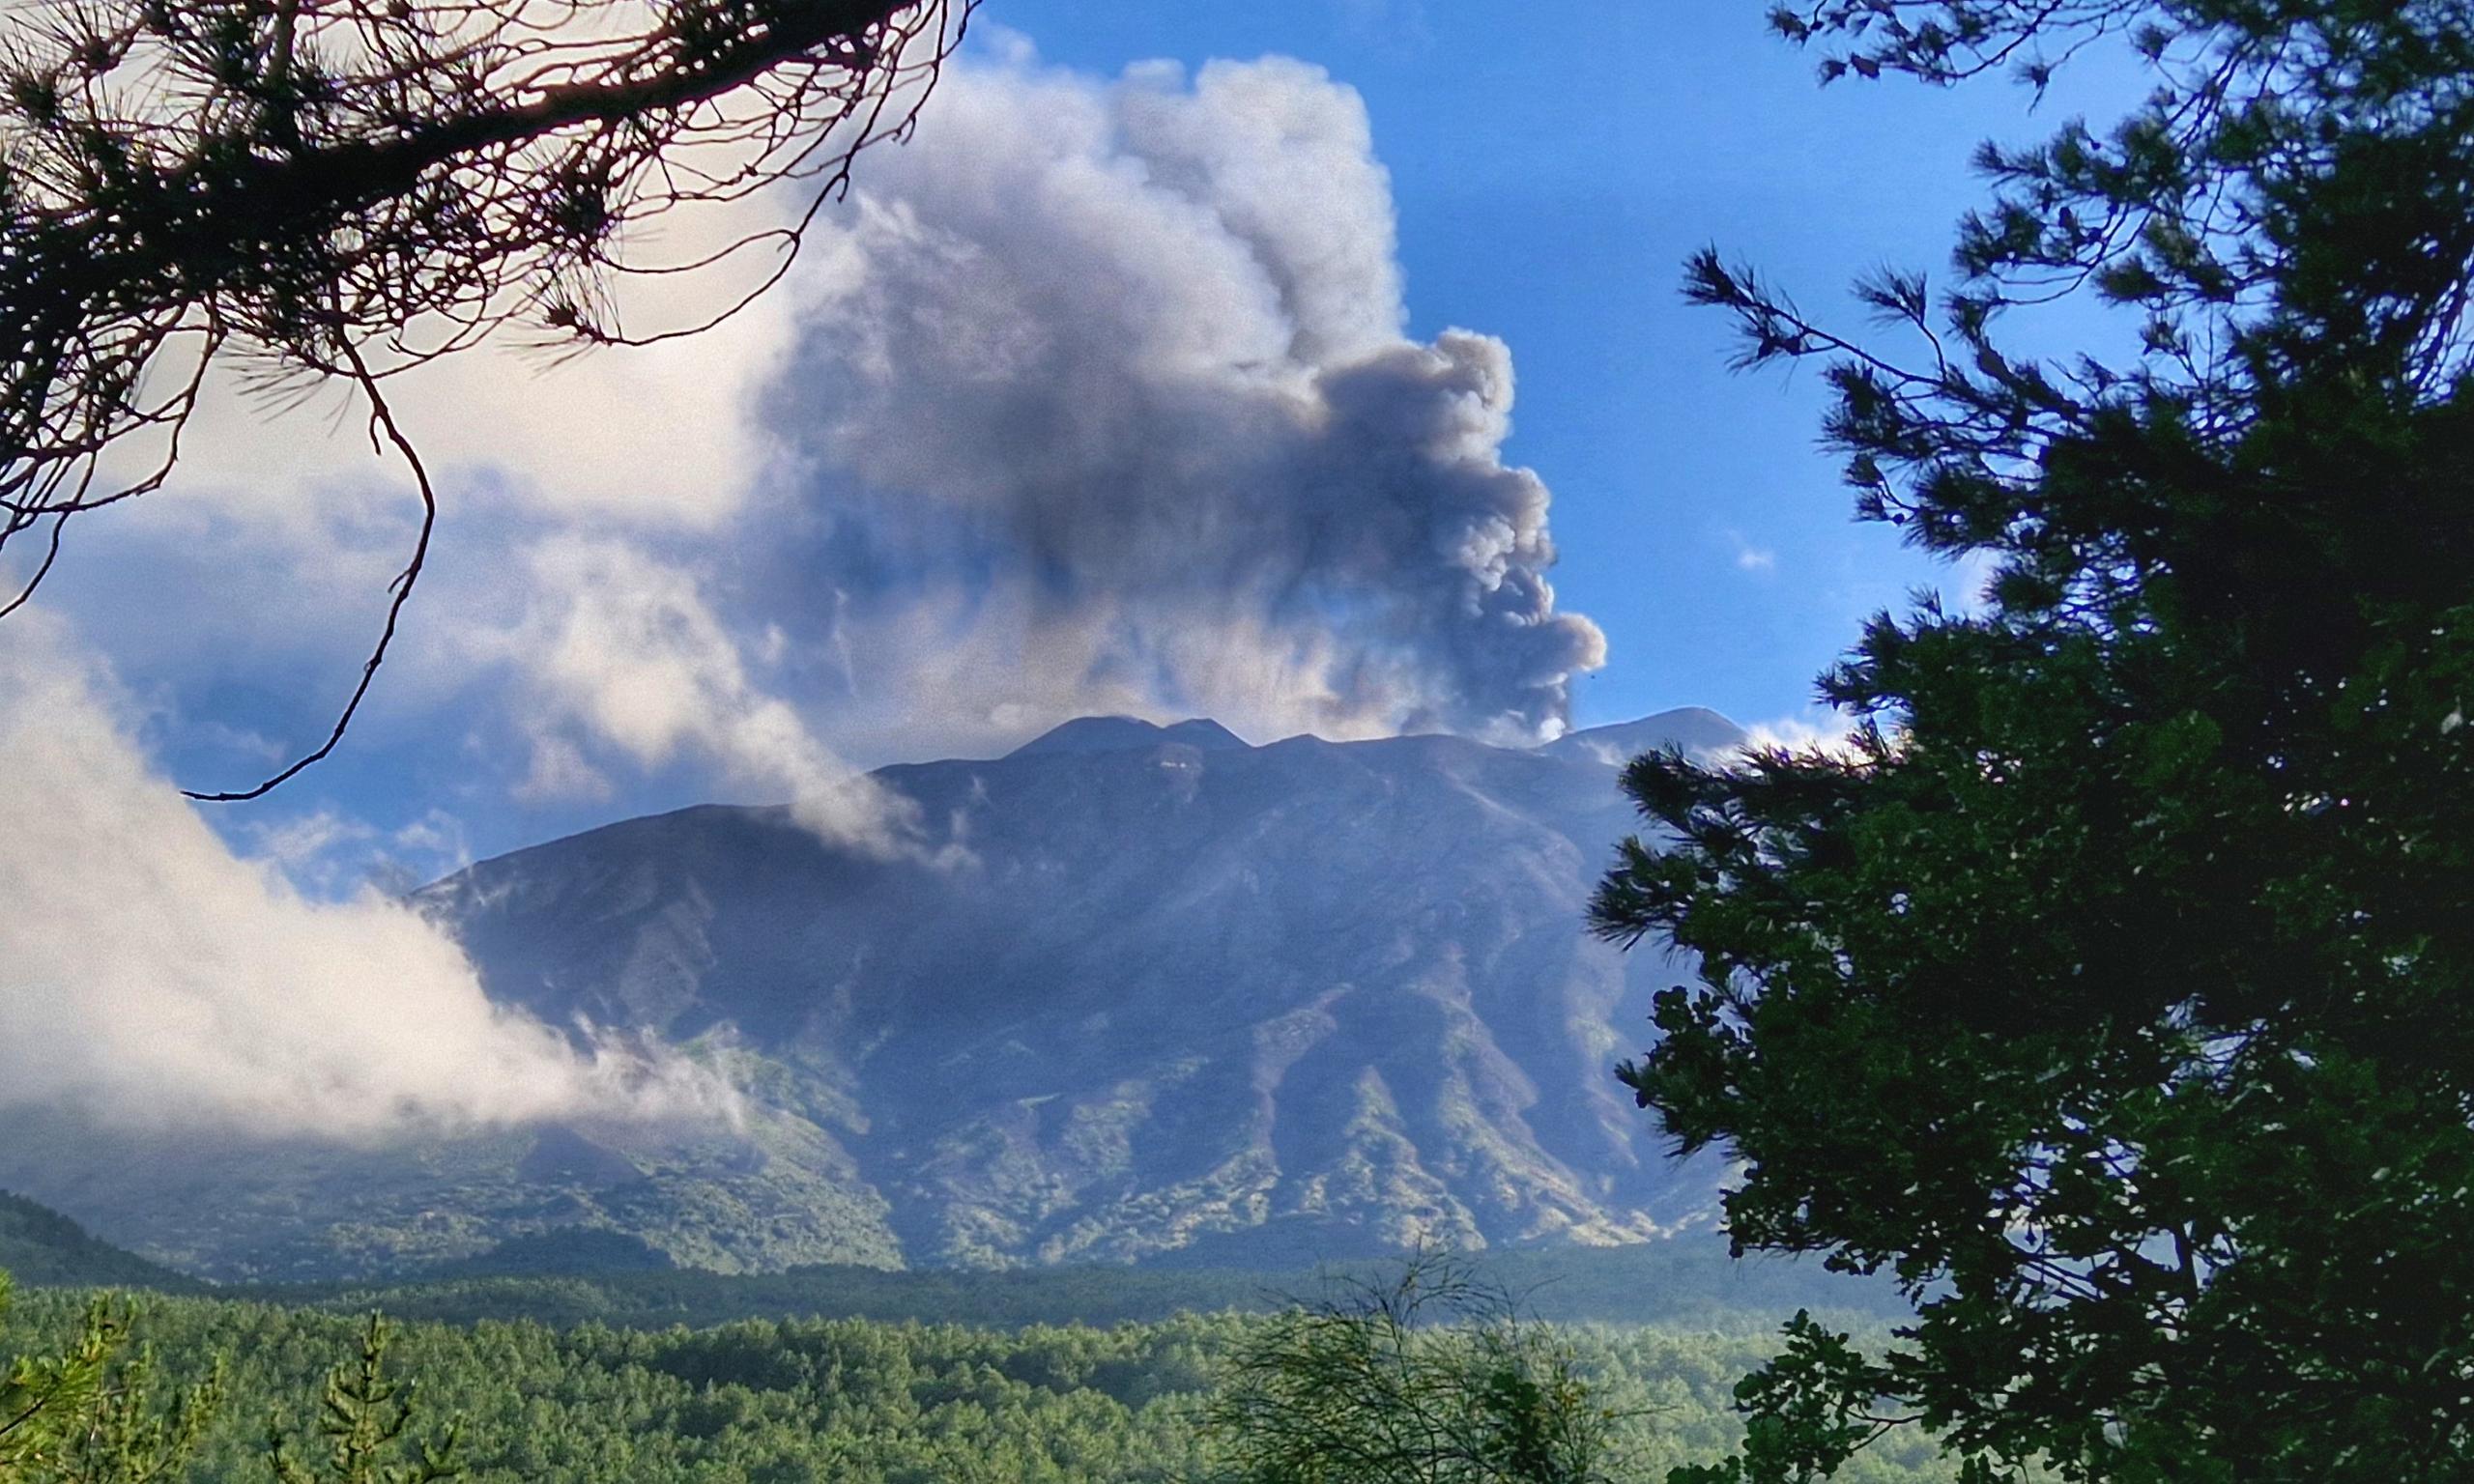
(1188, 1001)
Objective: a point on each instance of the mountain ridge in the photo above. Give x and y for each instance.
(1121, 733)
(41, 1249)
(1190, 1004)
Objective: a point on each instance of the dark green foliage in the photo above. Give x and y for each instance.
(2118, 982)
(40, 1247)
(565, 1250)
(1684, 1280)
(365, 1421)
(1429, 1378)
(846, 1401)
(90, 1412)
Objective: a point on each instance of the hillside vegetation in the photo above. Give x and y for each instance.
(41, 1246)
(1684, 1281)
(850, 1401)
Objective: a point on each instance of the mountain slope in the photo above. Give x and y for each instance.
(41, 1249)
(1125, 733)
(1189, 1001)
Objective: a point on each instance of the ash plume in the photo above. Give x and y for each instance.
(1105, 387)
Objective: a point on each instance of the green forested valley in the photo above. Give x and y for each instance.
(1684, 1281)
(851, 1401)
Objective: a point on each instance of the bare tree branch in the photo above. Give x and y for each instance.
(346, 189)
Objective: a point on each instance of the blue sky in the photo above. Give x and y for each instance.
(1550, 177)
(1138, 381)
(1027, 437)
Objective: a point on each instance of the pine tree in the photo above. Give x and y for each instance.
(92, 1414)
(2114, 987)
(367, 1420)
(1430, 1379)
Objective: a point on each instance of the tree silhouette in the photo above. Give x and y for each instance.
(1430, 1377)
(2114, 988)
(323, 189)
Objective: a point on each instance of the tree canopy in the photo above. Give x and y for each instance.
(1427, 1378)
(2114, 987)
(348, 190)
(846, 1401)
(94, 1411)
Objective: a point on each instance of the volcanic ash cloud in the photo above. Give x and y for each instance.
(1106, 384)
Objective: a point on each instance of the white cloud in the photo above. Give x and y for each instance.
(1097, 399)
(657, 436)
(628, 648)
(295, 842)
(324, 850)
(1818, 729)
(151, 976)
(558, 772)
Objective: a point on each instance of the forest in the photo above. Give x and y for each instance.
(1689, 1281)
(851, 1401)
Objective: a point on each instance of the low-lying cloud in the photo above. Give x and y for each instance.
(626, 648)
(151, 978)
(1097, 397)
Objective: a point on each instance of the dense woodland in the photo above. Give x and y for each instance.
(1687, 1282)
(844, 1373)
(851, 1401)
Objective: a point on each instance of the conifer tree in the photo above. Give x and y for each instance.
(1430, 1379)
(2114, 987)
(365, 1419)
(93, 1413)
